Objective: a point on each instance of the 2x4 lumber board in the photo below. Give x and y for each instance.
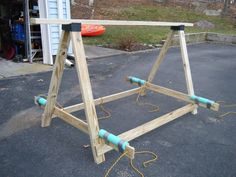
(177, 94)
(129, 150)
(107, 22)
(56, 78)
(161, 56)
(104, 99)
(87, 95)
(186, 65)
(151, 125)
(72, 120)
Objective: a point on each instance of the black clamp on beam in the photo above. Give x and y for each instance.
(177, 28)
(73, 27)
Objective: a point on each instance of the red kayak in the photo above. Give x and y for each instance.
(92, 30)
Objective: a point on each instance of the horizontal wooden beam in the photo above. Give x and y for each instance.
(104, 99)
(151, 125)
(107, 22)
(72, 120)
(129, 150)
(178, 95)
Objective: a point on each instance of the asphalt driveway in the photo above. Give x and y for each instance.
(192, 146)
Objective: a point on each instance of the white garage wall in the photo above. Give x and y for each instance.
(51, 33)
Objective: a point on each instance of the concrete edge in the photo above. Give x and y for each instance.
(223, 38)
(24, 75)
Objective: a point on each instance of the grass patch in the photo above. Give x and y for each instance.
(153, 35)
(148, 35)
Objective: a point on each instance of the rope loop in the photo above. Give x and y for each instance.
(155, 108)
(224, 105)
(135, 169)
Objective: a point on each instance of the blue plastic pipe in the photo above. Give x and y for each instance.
(136, 80)
(41, 101)
(201, 100)
(113, 139)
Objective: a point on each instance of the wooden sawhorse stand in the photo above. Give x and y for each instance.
(101, 141)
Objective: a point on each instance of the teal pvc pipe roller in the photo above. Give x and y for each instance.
(202, 100)
(40, 101)
(136, 80)
(113, 139)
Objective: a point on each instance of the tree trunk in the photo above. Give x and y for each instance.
(226, 7)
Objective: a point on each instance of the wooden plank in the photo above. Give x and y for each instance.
(130, 151)
(107, 22)
(161, 56)
(178, 95)
(72, 120)
(186, 65)
(104, 99)
(87, 95)
(56, 79)
(151, 125)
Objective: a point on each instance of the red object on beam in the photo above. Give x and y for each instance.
(92, 30)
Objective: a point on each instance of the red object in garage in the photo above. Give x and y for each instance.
(10, 53)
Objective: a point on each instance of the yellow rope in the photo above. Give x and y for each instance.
(155, 107)
(108, 114)
(136, 169)
(112, 166)
(226, 106)
(226, 114)
(145, 163)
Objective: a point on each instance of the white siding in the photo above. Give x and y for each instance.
(45, 33)
(53, 9)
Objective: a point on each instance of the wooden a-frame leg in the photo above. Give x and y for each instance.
(186, 65)
(56, 79)
(87, 96)
(161, 56)
(159, 59)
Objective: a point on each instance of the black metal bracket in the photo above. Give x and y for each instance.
(177, 28)
(72, 27)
